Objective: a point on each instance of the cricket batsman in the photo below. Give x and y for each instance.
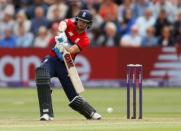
(72, 38)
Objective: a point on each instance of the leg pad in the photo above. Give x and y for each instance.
(80, 105)
(42, 76)
(44, 92)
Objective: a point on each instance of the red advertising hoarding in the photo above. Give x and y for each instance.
(96, 66)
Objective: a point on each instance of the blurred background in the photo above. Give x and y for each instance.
(146, 32)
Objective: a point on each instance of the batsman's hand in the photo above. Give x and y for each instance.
(61, 42)
(61, 38)
(59, 51)
(59, 48)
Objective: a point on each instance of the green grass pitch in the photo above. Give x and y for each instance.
(161, 111)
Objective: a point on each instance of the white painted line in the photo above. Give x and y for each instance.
(169, 49)
(172, 65)
(169, 57)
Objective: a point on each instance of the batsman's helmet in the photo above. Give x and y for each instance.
(86, 16)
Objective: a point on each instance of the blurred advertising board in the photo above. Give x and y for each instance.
(97, 66)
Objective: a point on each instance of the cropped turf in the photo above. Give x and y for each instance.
(161, 111)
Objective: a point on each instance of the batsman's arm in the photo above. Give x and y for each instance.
(73, 49)
(62, 26)
(60, 39)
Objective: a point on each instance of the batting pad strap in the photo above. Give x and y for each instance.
(80, 105)
(42, 76)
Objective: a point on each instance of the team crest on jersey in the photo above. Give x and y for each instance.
(70, 33)
(77, 40)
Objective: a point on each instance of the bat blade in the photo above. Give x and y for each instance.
(72, 71)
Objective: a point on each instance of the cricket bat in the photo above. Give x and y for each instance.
(72, 71)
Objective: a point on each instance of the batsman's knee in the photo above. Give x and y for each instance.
(80, 105)
(42, 76)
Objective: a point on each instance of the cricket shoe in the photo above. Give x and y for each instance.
(96, 116)
(46, 117)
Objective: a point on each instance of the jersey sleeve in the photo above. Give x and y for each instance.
(69, 22)
(83, 43)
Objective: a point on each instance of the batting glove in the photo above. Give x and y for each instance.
(61, 38)
(58, 52)
(59, 48)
